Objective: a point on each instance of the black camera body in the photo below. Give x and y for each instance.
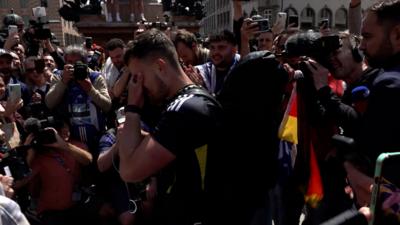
(81, 71)
(313, 45)
(41, 135)
(263, 25)
(40, 31)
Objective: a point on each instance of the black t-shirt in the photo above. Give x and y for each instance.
(188, 122)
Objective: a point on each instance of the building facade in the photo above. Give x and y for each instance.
(63, 30)
(219, 13)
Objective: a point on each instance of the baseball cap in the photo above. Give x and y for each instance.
(121, 115)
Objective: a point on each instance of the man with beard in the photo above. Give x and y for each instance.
(189, 50)
(189, 121)
(114, 67)
(223, 60)
(347, 64)
(379, 131)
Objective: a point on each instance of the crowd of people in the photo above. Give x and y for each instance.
(167, 129)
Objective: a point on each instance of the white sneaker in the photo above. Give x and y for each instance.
(118, 18)
(132, 18)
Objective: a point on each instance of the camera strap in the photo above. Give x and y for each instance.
(62, 163)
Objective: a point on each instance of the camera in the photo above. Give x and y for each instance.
(81, 71)
(41, 135)
(313, 45)
(88, 42)
(263, 25)
(40, 31)
(324, 24)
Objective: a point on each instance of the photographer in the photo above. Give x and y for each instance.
(81, 93)
(315, 128)
(38, 85)
(54, 180)
(347, 65)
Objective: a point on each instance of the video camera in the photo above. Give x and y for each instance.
(41, 135)
(39, 26)
(313, 45)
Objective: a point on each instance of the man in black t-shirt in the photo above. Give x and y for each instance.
(189, 120)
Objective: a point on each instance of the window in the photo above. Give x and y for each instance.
(325, 13)
(341, 18)
(291, 11)
(307, 19)
(268, 14)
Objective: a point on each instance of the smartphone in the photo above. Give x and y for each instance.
(39, 12)
(12, 29)
(281, 18)
(324, 24)
(14, 92)
(96, 56)
(386, 187)
(88, 42)
(293, 19)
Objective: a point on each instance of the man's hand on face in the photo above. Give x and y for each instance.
(135, 90)
(319, 74)
(68, 73)
(85, 84)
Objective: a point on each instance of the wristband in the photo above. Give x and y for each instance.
(133, 109)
